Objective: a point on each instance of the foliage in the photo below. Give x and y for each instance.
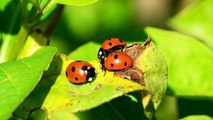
(39, 38)
(19, 78)
(195, 60)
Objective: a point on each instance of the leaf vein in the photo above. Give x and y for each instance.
(10, 80)
(6, 74)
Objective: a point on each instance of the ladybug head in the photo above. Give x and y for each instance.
(91, 74)
(100, 53)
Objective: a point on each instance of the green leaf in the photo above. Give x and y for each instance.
(18, 79)
(128, 107)
(76, 2)
(38, 114)
(3, 4)
(86, 52)
(35, 40)
(55, 92)
(9, 26)
(189, 62)
(14, 33)
(196, 20)
(65, 115)
(41, 114)
(197, 117)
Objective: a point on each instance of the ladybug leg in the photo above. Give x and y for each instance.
(121, 48)
(105, 53)
(104, 69)
(102, 54)
(102, 66)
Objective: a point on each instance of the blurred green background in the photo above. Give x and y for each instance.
(125, 19)
(99, 21)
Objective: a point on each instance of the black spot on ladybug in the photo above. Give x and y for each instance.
(76, 78)
(78, 61)
(84, 68)
(110, 44)
(116, 56)
(125, 63)
(73, 69)
(111, 65)
(121, 40)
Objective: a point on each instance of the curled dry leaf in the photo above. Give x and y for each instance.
(149, 70)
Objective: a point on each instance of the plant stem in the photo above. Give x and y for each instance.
(7, 38)
(19, 43)
(54, 20)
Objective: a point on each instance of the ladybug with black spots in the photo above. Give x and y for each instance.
(110, 45)
(79, 72)
(116, 61)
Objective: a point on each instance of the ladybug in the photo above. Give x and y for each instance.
(116, 61)
(79, 72)
(110, 45)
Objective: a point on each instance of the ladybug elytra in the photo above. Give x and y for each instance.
(79, 72)
(116, 61)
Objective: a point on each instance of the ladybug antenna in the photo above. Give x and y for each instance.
(104, 71)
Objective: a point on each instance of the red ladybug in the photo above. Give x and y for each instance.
(116, 61)
(79, 72)
(110, 45)
(113, 44)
